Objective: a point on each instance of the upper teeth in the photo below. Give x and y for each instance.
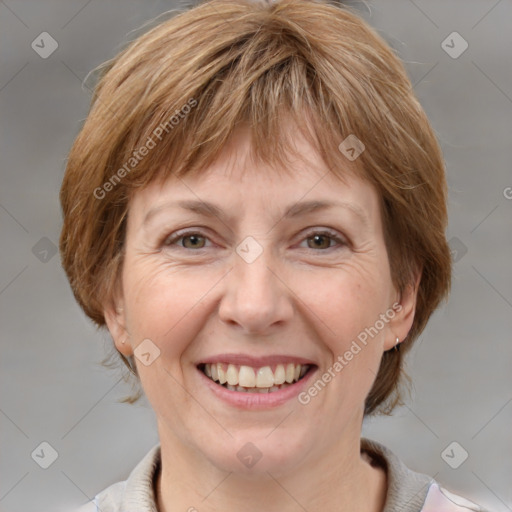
(250, 377)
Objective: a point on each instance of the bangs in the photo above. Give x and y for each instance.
(264, 76)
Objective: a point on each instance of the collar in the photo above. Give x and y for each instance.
(406, 489)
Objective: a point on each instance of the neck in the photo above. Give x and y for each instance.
(341, 479)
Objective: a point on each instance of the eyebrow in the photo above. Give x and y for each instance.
(208, 209)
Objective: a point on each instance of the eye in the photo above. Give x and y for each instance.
(316, 240)
(189, 240)
(323, 239)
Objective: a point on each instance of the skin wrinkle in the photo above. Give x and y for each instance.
(210, 210)
(314, 309)
(181, 91)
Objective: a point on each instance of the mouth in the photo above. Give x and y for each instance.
(255, 379)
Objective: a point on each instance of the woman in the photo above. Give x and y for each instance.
(255, 208)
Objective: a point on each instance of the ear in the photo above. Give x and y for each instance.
(405, 309)
(115, 318)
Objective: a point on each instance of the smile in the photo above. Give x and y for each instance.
(248, 379)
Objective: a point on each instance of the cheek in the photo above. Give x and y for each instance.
(347, 299)
(166, 305)
(347, 307)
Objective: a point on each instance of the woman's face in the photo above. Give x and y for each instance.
(267, 281)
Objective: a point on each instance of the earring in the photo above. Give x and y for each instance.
(397, 344)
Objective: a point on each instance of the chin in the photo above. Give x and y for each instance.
(255, 455)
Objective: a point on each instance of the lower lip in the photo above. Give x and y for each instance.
(245, 400)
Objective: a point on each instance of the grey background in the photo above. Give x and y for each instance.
(52, 387)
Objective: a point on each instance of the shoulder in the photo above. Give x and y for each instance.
(133, 494)
(110, 499)
(440, 500)
(410, 491)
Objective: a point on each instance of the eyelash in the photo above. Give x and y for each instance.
(168, 241)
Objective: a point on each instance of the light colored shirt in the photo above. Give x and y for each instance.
(407, 490)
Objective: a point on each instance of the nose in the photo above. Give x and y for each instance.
(256, 298)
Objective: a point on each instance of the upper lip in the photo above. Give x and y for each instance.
(255, 362)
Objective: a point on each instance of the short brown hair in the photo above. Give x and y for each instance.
(181, 89)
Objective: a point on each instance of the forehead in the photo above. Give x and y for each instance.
(236, 176)
(238, 182)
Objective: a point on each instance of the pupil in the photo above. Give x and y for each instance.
(193, 239)
(318, 240)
